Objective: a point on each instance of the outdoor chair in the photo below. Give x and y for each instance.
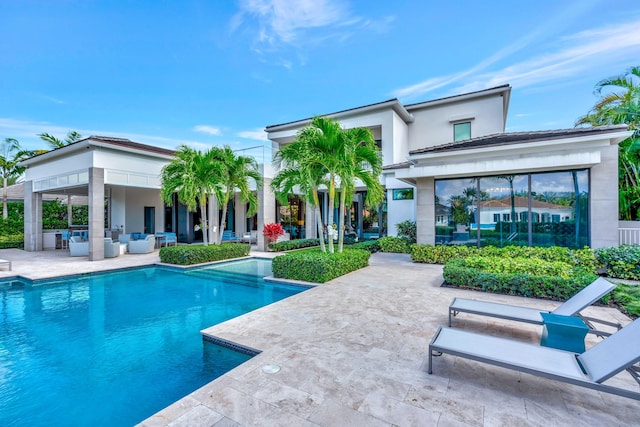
(143, 246)
(229, 236)
(589, 369)
(5, 263)
(170, 239)
(572, 307)
(111, 248)
(78, 247)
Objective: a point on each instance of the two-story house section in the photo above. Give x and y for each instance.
(450, 166)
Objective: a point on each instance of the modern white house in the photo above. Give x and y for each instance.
(439, 155)
(449, 165)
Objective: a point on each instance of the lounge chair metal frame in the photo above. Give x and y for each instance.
(572, 307)
(621, 351)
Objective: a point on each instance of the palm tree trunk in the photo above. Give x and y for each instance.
(316, 208)
(5, 214)
(343, 196)
(203, 216)
(223, 223)
(332, 195)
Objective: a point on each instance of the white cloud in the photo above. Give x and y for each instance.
(211, 130)
(258, 134)
(574, 55)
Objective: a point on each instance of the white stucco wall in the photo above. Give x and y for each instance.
(136, 199)
(434, 126)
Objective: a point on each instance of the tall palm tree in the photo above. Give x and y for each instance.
(621, 106)
(11, 154)
(296, 174)
(192, 176)
(236, 172)
(360, 159)
(72, 136)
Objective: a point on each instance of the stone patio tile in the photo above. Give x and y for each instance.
(172, 412)
(332, 413)
(396, 412)
(467, 412)
(198, 416)
(288, 398)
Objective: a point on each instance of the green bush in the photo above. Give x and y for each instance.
(441, 254)
(529, 277)
(289, 245)
(628, 298)
(12, 241)
(407, 230)
(198, 254)
(622, 262)
(372, 246)
(318, 267)
(394, 244)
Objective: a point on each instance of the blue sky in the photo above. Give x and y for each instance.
(217, 72)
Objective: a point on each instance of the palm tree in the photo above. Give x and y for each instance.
(72, 136)
(192, 175)
(359, 159)
(11, 155)
(235, 173)
(295, 173)
(621, 106)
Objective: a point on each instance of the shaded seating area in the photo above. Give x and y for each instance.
(619, 352)
(572, 307)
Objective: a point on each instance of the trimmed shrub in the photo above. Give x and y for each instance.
(289, 245)
(12, 241)
(394, 244)
(318, 267)
(198, 254)
(622, 262)
(441, 254)
(518, 276)
(372, 246)
(407, 230)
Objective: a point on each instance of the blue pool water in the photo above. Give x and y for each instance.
(114, 348)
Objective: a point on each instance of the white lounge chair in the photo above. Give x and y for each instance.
(111, 248)
(590, 369)
(587, 296)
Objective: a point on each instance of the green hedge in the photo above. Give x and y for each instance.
(622, 262)
(395, 245)
(318, 267)
(198, 254)
(529, 277)
(12, 241)
(441, 254)
(289, 245)
(372, 246)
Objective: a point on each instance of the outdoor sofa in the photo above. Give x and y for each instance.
(78, 246)
(111, 248)
(589, 369)
(142, 246)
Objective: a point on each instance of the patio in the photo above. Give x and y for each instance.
(354, 351)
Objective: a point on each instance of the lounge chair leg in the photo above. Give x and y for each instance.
(430, 371)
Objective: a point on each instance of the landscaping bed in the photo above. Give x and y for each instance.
(198, 254)
(319, 267)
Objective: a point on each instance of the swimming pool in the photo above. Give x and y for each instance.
(114, 348)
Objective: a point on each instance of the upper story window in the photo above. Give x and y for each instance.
(461, 131)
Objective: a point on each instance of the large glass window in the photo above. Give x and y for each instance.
(541, 209)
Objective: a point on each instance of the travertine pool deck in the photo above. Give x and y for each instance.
(354, 352)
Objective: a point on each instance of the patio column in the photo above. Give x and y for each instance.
(69, 211)
(266, 211)
(32, 218)
(96, 214)
(426, 211)
(604, 200)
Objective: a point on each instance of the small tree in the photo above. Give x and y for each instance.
(272, 231)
